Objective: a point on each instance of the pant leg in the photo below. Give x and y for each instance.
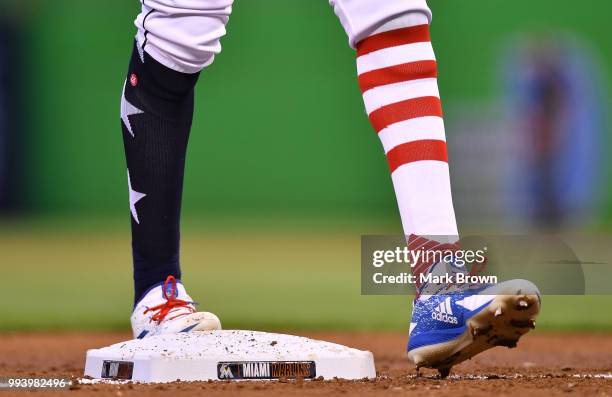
(183, 35)
(361, 18)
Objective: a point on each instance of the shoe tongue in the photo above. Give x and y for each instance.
(169, 290)
(438, 271)
(156, 295)
(179, 293)
(447, 267)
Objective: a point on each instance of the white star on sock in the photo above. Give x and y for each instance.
(134, 198)
(140, 52)
(127, 109)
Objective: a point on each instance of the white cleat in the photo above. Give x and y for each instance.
(167, 309)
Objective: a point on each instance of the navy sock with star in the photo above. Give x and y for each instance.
(156, 113)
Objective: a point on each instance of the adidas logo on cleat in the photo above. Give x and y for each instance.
(444, 313)
(444, 318)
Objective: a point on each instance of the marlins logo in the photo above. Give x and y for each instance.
(225, 372)
(266, 370)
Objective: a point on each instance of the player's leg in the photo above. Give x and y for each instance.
(397, 74)
(176, 39)
(396, 68)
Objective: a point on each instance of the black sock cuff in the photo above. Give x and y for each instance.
(159, 89)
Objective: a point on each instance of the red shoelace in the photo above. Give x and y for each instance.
(161, 311)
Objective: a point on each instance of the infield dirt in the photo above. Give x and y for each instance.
(543, 364)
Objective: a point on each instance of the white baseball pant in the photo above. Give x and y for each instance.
(184, 35)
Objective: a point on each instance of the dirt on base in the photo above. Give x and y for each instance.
(543, 364)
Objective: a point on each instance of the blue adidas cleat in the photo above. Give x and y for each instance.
(454, 324)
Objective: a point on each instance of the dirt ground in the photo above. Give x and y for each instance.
(543, 364)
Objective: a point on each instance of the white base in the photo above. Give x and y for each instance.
(227, 354)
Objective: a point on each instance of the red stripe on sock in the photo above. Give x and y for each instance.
(405, 110)
(431, 244)
(393, 38)
(426, 149)
(398, 73)
(422, 266)
(415, 242)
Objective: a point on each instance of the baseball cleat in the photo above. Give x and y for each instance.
(449, 328)
(167, 309)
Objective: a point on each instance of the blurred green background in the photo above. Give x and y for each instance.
(284, 172)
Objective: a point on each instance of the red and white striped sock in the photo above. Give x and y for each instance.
(398, 78)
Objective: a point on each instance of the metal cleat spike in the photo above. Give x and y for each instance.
(477, 331)
(444, 372)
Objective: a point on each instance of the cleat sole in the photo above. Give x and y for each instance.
(501, 323)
